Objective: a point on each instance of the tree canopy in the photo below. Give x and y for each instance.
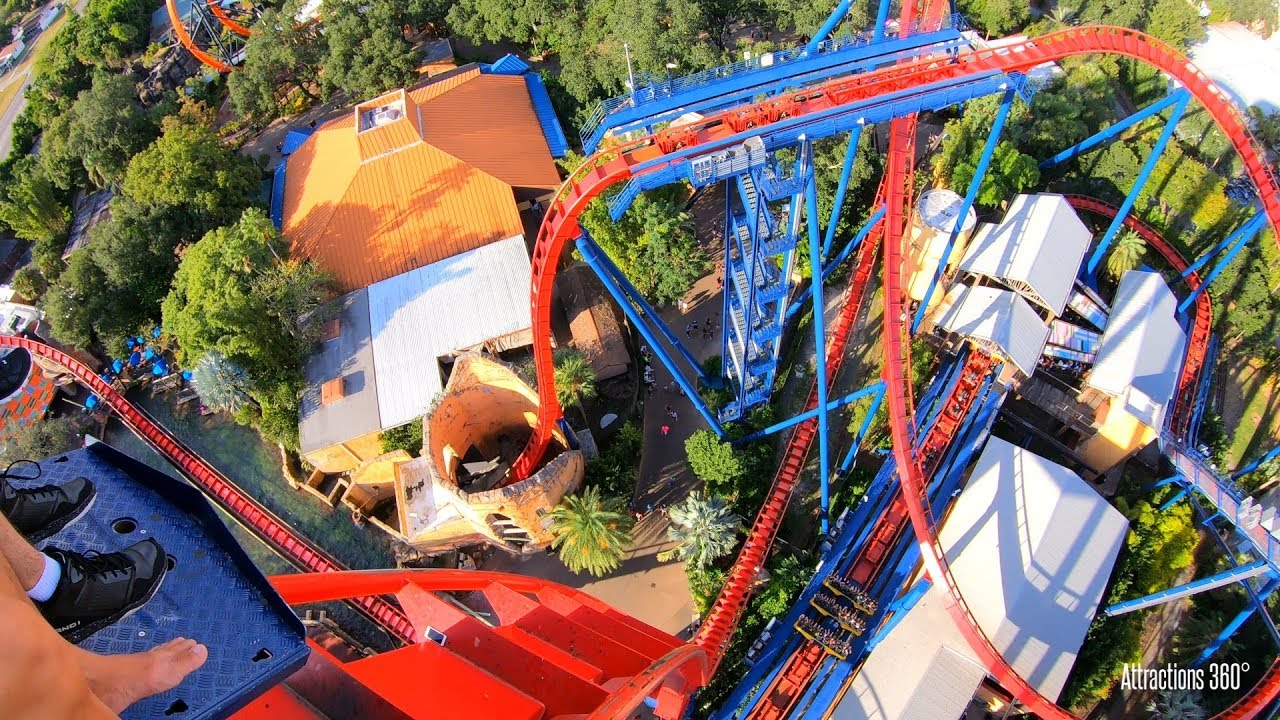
(107, 127)
(280, 51)
(367, 51)
(591, 533)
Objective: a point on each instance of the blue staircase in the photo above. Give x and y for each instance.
(761, 223)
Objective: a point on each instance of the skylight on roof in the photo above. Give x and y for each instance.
(379, 115)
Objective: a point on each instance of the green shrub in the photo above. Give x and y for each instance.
(407, 437)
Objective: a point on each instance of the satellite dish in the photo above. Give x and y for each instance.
(607, 420)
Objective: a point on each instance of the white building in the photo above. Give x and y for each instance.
(1031, 546)
(998, 320)
(1035, 250)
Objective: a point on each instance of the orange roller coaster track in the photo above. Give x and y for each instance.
(606, 168)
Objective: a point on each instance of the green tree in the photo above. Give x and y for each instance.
(407, 437)
(592, 534)
(111, 31)
(713, 460)
(29, 282)
(108, 127)
(295, 294)
(1127, 251)
(190, 176)
(1176, 22)
(34, 211)
(1266, 127)
(279, 52)
(653, 244)
(221, 383)
(368, 53)
(705, 528)
(534, 26)
(41, 439)
(75, 301)
(214, 303)
(997, 17)
(575, 379)
(1184, 704)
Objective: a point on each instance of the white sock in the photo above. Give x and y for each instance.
(48, 582)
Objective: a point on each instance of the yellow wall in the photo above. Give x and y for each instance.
(921, 262)
(345, 456)
(1119, 436)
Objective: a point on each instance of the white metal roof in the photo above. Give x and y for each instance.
(998, 316)
(434, 311)
(1039, 243)
(1141, 350)
(1031, 546)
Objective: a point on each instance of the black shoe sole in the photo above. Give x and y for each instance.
(84, 632)
(56, 526)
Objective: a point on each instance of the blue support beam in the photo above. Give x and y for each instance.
(1235, 243)
(971, 194)
(899, 608)
(1234, 626)
(634, 295)
(1174, 500)
(1271, 455)
(819, 331)
(594, 257)
(1112, 132)
(882, 19)
(842, 187)
(1226, 577)
(877, 388)
(831, 266)
(847, 464)
(828, 27)
(1175, 114)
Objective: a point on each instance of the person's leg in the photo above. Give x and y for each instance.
(39, 678)
(26, 564)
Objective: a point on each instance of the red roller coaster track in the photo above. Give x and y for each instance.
(606, 168)
(263, 523)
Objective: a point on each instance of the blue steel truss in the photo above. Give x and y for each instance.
(761, 223)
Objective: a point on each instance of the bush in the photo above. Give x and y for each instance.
(407, 437)
(29, 283)
(614, 469)
(704, 585)
(713, 460)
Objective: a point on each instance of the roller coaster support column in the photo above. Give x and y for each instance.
(631, 293)
(593, 255)
(819, 329)
(1236, 240)
(831, 266)
(898, 609)
(1233, 626)
(1271, 455)
(1114, 131)
(877, 388)
(882, 18)
(1226, 577)
(827, 28)
(1179, 107)
(984, 161)
(847, 464)
(850, 153)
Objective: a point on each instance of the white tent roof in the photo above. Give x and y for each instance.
(1037, 247)
(447, 306)
(1141, 350)
(1242, 64)
(997, 316)
(1031, 546)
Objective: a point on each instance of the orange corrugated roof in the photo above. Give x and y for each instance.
(433, 182)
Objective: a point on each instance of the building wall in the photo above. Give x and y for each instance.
(1118, 436)
(923, 256)
(345, 456)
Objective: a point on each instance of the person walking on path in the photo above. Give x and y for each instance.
(666, 429)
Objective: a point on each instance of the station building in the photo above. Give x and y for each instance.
(1031, 546)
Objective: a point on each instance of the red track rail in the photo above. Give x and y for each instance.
(180, 32)
(216, 8)
(276, 533)
(606, 168)
(1198, 343)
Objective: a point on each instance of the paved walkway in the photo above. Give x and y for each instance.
(655, 592)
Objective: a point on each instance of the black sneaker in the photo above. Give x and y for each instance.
(98, 590)
(39, 512)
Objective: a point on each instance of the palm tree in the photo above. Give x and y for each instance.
(1177, 705)
(221, 383)
(591, 534)
(704, 527)
(575, 379)
(1126, 253)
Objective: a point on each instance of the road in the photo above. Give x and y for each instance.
(11, 112)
